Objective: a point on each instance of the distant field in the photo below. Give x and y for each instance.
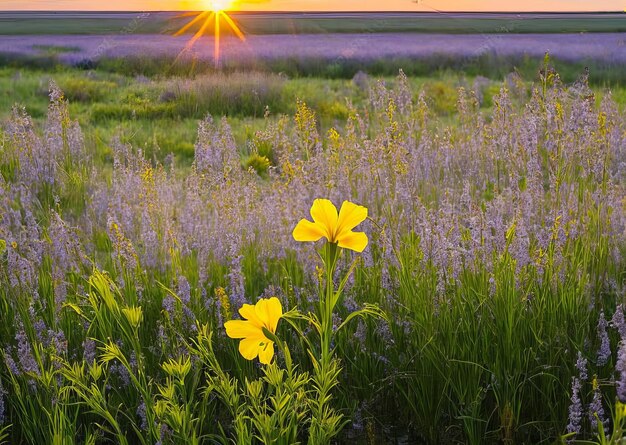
(23, 23)
(329, 48)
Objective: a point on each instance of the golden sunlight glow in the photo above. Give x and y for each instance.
(215, 13)
(218, 5)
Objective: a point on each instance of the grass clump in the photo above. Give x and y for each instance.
(78, 89)
(234, 94)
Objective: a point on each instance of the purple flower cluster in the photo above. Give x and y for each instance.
(445, 188)
(2, 407)
(618, 322)
(26, 359)
(39, 161)
(141, 413)
(575, 408)
(581, 365)
(89, 351)
(620, 367)
(597, 409)
(604, 352)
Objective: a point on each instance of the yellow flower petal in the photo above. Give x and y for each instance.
(324, 213)
(356, 241)
(266, 353)
(336, 227)
(269, 311)
(242, 329)
(350, 216)
(307, 231)
(249, 348)
(248, 312)
(265, 314)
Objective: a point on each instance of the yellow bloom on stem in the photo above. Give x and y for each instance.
(265, 314)
(336, 228)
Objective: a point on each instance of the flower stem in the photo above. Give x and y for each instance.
(325, 423)
(328, 302)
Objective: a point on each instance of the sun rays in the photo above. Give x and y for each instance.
(213, 16)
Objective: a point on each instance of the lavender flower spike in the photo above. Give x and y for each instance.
(581, 365)
(604, 353)
(596, 408)
(620, 367)
(576, 408)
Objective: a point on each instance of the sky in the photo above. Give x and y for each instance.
(322, 5)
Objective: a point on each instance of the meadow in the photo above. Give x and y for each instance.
(142, 210)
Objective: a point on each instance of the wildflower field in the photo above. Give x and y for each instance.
(404, 270)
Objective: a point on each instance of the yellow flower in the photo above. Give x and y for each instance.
(265, 314)
(337, 228)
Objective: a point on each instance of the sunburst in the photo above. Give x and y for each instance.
(215, 13)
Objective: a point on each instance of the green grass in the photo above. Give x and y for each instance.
(29, 26)
(264, 23)
(160, 115)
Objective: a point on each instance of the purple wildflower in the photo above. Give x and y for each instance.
(57, 340)
(357, 420)
(581, 365)
(620, 367)
(39, 326)
(184, 290)
(237, 282)
(596, 408)
(350, 304)
(24, 352)
(575, 408)
(165, 433)
(384, 333)
(337, 320)
(169, 304)
(604, 353)
(11, 365)
(66, 254)
(361, 335)
(141, 413)
(89, 350)
(618, 322)
(2, 407)
(120, 370)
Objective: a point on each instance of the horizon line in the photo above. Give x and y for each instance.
(236, 11)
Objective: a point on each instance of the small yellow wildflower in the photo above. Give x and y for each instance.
(222, 297)
(336, 228)
(265, 314)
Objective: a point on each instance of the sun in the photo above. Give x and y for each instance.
(214, 13)
(218, 5)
